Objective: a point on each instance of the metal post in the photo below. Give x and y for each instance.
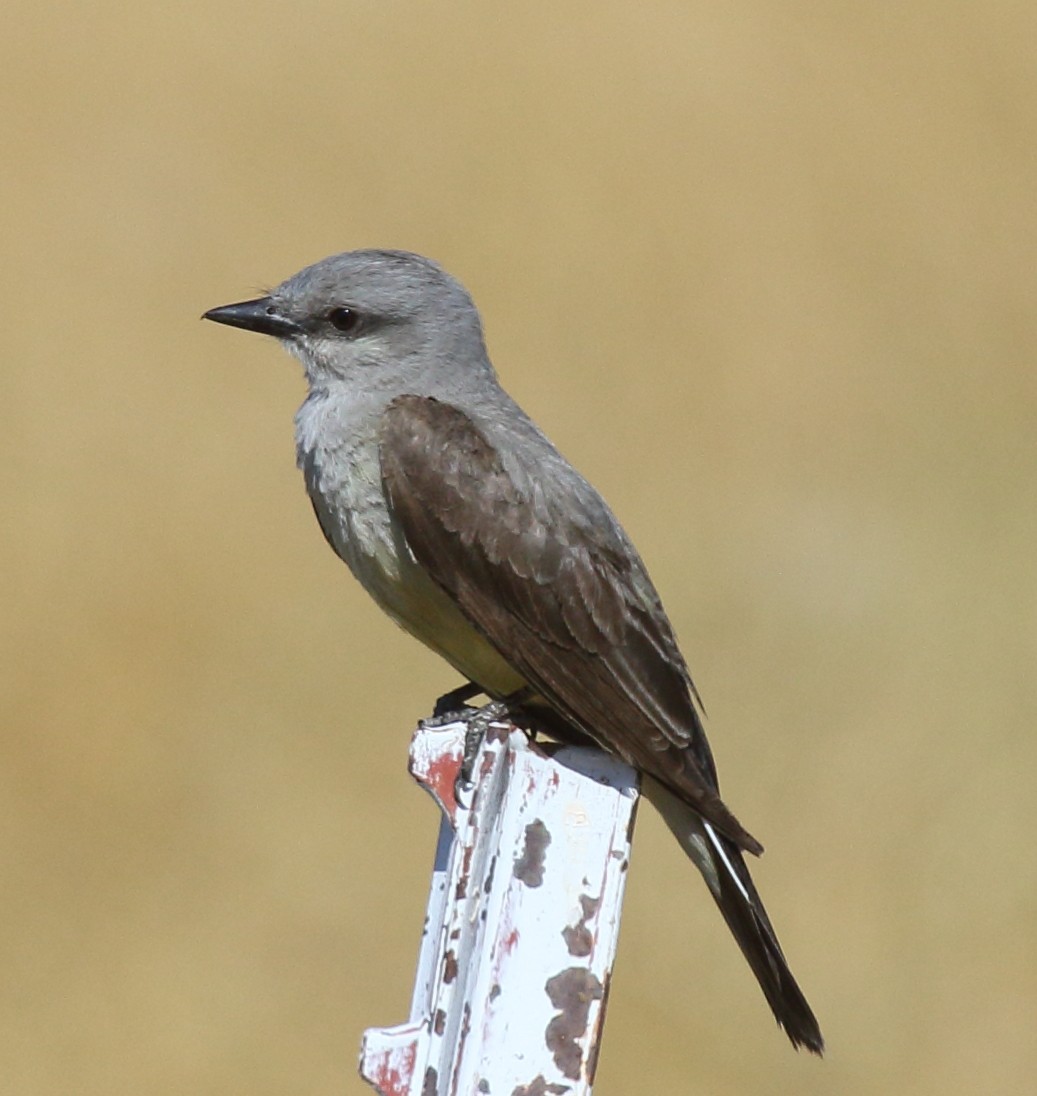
(522, 924)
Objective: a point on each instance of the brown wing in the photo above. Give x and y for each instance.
(538, 564)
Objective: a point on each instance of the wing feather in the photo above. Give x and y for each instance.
(547, 576)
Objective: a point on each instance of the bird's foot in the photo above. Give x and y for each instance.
(476, 726)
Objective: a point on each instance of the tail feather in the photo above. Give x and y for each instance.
(728, 879)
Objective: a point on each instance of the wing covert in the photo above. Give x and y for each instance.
(552, 583)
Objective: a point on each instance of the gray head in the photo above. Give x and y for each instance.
(369, 318)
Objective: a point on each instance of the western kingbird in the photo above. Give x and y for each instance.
(476, 535)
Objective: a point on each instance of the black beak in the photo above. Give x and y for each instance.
(260, 315)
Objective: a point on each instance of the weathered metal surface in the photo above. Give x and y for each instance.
(522, 924)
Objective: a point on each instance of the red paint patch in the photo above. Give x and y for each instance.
(392, 1081)
(440, 779)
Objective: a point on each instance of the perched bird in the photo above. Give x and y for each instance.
(478, 537)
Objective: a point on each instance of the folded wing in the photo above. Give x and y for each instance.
(536, 562)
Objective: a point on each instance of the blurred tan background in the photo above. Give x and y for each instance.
(764, 272)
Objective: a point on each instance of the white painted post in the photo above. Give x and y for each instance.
(522, 923)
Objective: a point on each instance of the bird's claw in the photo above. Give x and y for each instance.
(476, 726)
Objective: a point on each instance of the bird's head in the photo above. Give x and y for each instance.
(370, 318)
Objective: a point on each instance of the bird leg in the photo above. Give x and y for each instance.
(476, 726)
(453, 706)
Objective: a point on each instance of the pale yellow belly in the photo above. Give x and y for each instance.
(345, 485)
(421, 608)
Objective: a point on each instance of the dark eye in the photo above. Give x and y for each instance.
(345, 320)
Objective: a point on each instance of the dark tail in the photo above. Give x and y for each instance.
(728, 879)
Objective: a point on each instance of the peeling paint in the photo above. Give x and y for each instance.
(632, 822)
(529, 867)
(461, 891)
(496, 1042)
(439, 777)
(498, 732)
(485, 768)
(466, 1027)
(571, 991)
(540, 1087)
(599, 1024)
(488, 883)
(578, 938)
(395, 1071)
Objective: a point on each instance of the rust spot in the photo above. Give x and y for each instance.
(571, 992)
(439, 1022)
(498, 732)
(466, 1027)
(578, 938)
(461, 890)
(633, 819)
(488, 884)
(485, 765)
(428, 1084)
(539, 1087)
(466, 1023)
(529, 867)
(509, 941)
(449, 967)
(592, 1057)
